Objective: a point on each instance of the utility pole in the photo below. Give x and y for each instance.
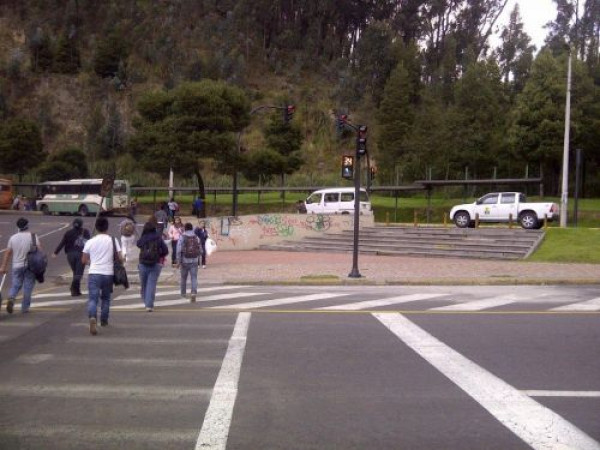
(564, 199)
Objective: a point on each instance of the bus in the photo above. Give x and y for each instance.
(6, 193)
(82, 197)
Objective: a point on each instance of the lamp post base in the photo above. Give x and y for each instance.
(354, 273)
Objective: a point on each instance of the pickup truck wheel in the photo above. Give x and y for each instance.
(462, 219)
(529, 221)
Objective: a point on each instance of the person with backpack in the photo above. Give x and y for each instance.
(128, 237)
(99, 253)
(153, 251)
(73, 242)
(174, 232)
(188, 252)
(19, 245)
(173, 208)
(202, 233)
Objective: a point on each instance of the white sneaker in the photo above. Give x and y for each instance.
(193, 298)
(204, 267)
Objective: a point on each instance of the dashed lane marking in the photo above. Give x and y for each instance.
(479, 305)
(589, 305)
(281, 301)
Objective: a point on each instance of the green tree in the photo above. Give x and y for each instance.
(74, 158)
(285, 138)
(395, 119)
(111, 52)
(66, 59)
(41, 51)
(21, 147)
(181, 128)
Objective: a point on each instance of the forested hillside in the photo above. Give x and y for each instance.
(202, 86)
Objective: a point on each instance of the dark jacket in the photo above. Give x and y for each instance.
(202, 234)
(69, 238)
(163, 250)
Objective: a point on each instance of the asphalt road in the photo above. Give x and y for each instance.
(307, 367)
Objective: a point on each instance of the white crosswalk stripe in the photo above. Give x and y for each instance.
(177, 291)
(478, 305)
(281, 301)
(183, 301)
(54, 294)
(380, 302)
(589, 305)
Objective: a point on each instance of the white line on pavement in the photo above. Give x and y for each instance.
(183, 301)
(538, 393)
(177, 291)
(153, 362)
(380, 302)
(478, 305)
(126, 340)
(35, 304)
(215, 428)
(590, 305)
(95, 391)
(55, 294)
(536, 425)
(280, 301)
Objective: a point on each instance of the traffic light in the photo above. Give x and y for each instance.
(288, 112)
(361, 141)
(348, 167)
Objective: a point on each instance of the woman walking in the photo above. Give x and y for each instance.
(174, 232)
(153, 251)
(73, 242)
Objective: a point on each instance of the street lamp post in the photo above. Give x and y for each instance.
(565, 169)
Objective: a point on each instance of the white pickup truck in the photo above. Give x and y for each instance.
(503, 207)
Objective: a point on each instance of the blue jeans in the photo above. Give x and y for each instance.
(192, 270)
(22, 278)
(99, 288)
(148, 281)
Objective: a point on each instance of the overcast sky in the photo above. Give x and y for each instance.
(535, 14)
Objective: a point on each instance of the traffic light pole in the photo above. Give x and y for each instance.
(354, 273)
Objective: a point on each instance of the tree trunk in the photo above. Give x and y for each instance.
(201, 192)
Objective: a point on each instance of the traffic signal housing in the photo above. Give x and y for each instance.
(288, 113)
(348, 167)
(361, 141)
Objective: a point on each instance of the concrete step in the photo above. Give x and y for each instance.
(489, 243)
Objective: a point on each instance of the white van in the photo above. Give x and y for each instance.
(337, 201)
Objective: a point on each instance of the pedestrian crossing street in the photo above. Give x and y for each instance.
(344, 299)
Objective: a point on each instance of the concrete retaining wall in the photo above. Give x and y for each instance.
(250, 232)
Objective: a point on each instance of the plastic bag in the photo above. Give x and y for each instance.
(210, 246)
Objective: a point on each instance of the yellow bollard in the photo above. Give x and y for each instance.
(510, 221)
(445, 220)
(415, 219)
(387, 218)
(477, 220)
(545, 221)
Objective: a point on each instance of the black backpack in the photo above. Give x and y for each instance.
(37, 261)
(149, 253)
(191, 247)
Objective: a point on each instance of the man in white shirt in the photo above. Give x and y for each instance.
(98, 252)
(19, 245)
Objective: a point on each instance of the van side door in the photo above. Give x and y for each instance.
(331, 202)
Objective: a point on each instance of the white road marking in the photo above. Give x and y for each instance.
(590, 305)
(162, 326)
(183, 301)
(536, 393)
(380, 302)
(149, 362)
(280, 301)
(177, 291)
(535, 424)
(478, 305)
(35, 304)
(108, 340)
(54, 294)
(84, 435)
(215, 428)
(96, 391)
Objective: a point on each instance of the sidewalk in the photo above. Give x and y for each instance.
(275, 267)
